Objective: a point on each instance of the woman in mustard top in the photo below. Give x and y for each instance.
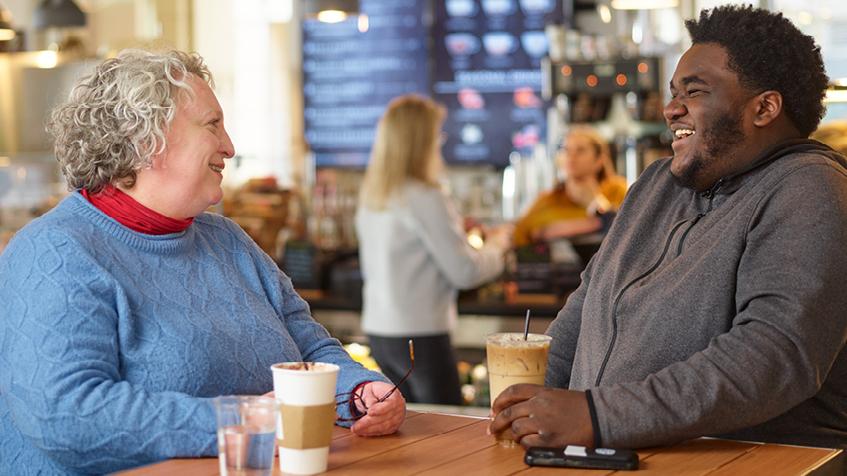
(581, 204)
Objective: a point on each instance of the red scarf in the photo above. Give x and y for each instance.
(132, 214)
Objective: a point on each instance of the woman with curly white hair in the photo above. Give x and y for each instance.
(127, 306)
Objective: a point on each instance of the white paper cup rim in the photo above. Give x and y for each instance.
(295, 368)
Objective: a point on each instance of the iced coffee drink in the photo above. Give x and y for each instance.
(511, 360)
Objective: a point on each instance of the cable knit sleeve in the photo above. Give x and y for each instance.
(60, 366)
(312, 339)
(316, 345)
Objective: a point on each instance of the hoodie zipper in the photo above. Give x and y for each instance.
(620, 294)
(710, 194)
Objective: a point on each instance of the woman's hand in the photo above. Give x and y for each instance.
(500, 236)
(384, 417)
(599, 205)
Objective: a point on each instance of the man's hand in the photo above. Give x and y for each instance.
(541, 416)
(384, 417)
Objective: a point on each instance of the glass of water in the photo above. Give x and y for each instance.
(246, 435)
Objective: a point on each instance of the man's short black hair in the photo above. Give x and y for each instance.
(769, 53)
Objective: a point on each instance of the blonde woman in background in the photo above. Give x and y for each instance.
(582, 204)
(414, 254)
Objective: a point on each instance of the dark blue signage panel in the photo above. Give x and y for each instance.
(486, 70)
(480, 58)
(349, 76)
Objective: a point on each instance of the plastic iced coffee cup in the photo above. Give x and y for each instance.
(305, 393)
(513, 360)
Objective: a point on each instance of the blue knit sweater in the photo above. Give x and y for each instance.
(112, 342)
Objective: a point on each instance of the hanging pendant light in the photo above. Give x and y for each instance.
(59, 14)
(6, 31)
(836, 92)
(331, 11)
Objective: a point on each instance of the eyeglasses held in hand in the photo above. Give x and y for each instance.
(357, 397)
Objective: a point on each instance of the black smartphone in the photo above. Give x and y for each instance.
(582, 457)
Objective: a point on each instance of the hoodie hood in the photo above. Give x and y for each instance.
(731, 183)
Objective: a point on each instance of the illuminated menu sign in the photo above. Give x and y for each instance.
(487, 72)
(350, 75)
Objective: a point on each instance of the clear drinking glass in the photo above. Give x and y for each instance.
(246, 435)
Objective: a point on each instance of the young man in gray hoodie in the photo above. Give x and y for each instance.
(716, 304)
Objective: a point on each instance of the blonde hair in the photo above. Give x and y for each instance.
(601, 149)
(116, 118)
(405, 148)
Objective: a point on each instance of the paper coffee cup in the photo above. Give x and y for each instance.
(305, 392)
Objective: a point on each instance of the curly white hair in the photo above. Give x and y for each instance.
(116, 118)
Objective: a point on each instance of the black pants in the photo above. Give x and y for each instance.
(435, 378)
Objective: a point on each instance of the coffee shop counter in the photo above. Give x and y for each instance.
(477, 317)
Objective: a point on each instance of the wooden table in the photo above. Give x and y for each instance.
(436, 444)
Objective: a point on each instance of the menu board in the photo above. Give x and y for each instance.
(350, 75)
(486, 70)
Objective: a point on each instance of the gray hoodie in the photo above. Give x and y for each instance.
(720, 312)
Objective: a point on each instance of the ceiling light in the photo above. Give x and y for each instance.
(835, 95)
(644, 4)
(837, 92)
(46, 59)
(58, 13)
(331, 11)
(6, 31)
(605, 13)
(332, 16)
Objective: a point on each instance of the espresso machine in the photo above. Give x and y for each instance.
(621, 97)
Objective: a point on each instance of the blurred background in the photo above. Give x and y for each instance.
(304, 82)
